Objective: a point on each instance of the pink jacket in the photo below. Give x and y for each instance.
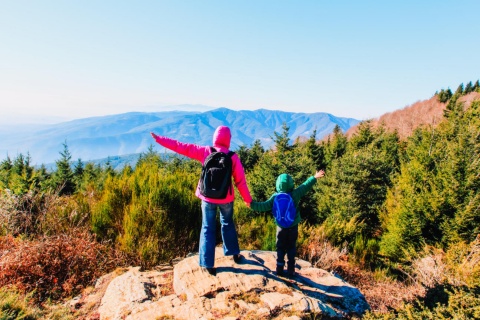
(221, 142)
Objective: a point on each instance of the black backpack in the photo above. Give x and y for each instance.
(216, 177)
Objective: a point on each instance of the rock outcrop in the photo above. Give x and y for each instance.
(249, 289)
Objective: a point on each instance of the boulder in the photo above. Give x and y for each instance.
(248, 289)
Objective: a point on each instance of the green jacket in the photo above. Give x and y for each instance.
(285, 184)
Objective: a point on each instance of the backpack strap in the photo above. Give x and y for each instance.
(230, 153)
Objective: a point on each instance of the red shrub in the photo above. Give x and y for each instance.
(56, 266)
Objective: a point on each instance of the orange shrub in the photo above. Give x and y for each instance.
(55, 266)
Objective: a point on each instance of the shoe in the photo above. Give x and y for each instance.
(291, 272)
(211, 271)
(280, 271)
(237, 258)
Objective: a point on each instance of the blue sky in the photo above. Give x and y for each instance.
(360, 59)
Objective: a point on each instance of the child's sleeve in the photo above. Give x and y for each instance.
(302, 189)
(262, 206)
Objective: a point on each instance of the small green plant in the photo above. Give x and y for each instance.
(14, 305)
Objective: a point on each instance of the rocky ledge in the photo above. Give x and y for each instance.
(245, 290)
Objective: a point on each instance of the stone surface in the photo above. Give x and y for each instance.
(249, 289)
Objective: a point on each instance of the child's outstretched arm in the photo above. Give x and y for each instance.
(301, 190)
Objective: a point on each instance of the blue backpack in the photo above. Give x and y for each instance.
(284, 210)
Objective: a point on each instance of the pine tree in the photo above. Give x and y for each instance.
(468, 87)
(63, 178)
(336, 146)
(459, 90)
(282, 141)
(476, 86)
(316, 151)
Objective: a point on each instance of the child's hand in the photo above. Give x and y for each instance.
(319, 174)
(154, 135)
(247, 204)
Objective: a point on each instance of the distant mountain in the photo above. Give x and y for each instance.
(129, 133)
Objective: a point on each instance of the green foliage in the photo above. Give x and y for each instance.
(63, 179)
(353, 192)
(152, 211)
(14, 306)
(476, 86)
(107, 213)
(250, 156)
(258, 232)
(434, 197)
(316, 151)
(335, 146)
(444, 95)
(18, 176)
(365, 251)
(460, 89)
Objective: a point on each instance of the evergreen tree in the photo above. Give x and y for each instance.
(63, 178)
(78, 173)
(433, 199)
(256, 152)
(250, 157)
(459, 90)
(20, 178)
(282, 141)
(355, 187)
(468, 87)
(476, 86)
(444, 95)
(336, 146)
(316, 151)
(5, 172)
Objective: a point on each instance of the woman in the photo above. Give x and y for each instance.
(221, 143)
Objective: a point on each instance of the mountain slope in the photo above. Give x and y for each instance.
(425, 112)
(101, 137)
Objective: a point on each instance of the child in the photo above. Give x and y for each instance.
(287, 236)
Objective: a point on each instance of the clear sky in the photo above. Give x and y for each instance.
(360, 59)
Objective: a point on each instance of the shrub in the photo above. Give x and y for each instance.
(57, 266)
(314, 247)
(15, 306)
(19, 214)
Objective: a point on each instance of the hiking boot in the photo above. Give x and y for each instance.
(291, 272)
(211, 271)
(280, 271)
(237, 258)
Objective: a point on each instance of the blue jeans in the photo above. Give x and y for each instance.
(208, 232)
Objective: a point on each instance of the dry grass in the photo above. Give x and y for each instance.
(319, 251)
(382, 294)
(430, 269)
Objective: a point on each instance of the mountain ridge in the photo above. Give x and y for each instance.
(128, 133)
